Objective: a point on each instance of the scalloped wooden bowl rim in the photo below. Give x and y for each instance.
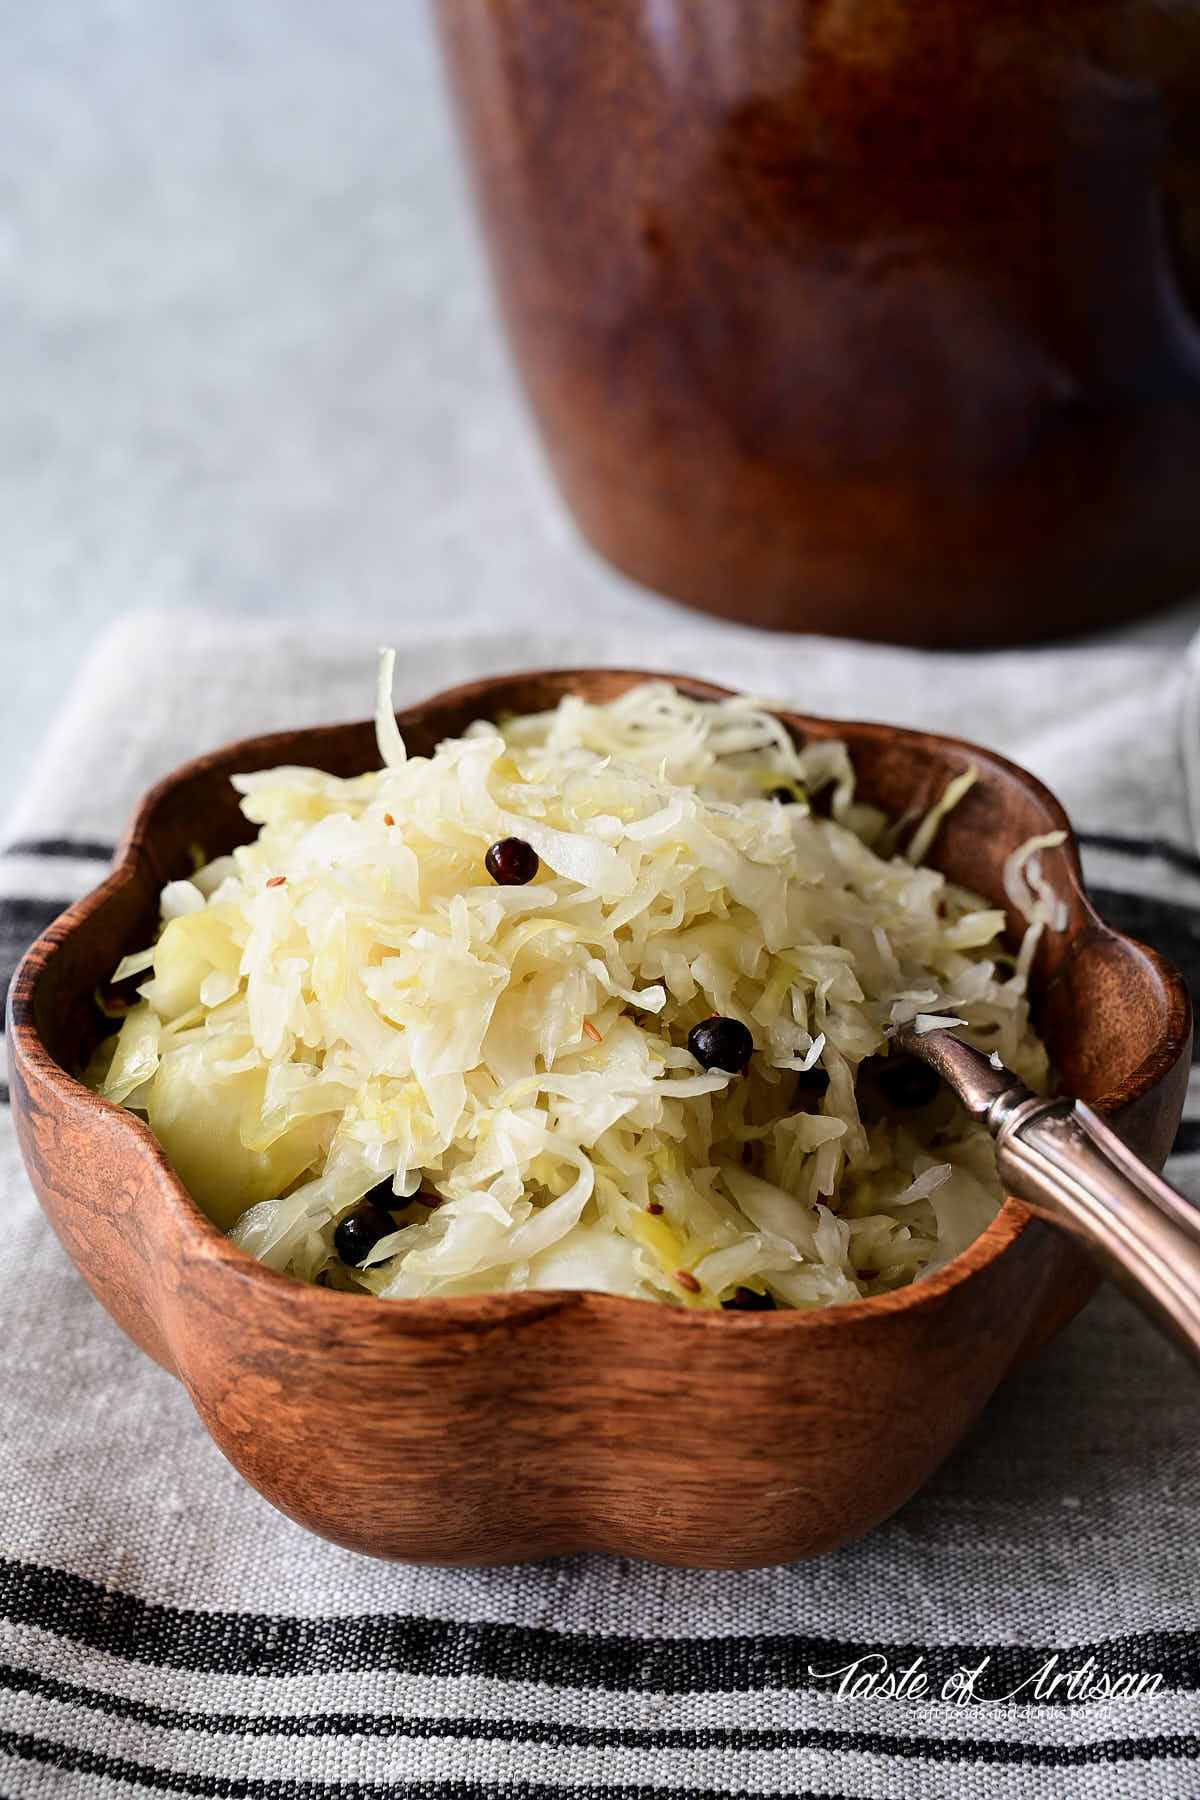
(484, 1309)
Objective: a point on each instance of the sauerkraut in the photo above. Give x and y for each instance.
(350, 1012)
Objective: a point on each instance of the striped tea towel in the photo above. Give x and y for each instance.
(1028, 1626)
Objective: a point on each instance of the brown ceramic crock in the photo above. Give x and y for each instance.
(875, 317)
(501, 1427)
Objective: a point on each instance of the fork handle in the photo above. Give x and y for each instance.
(1063, 1161)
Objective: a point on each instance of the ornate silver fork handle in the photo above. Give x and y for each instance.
(1066, 1164)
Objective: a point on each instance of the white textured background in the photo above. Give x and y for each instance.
(247, 353)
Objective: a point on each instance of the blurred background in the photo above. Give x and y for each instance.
(247, 353)
(248, 358)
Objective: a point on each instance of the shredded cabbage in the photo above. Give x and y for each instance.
(349, 1005)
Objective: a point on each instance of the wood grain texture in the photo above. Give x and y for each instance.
(506, 1427)
(876, 318)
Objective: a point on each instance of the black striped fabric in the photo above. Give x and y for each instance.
(919, 1747)
(22, 920)
(95, 1618)
(245, 1643)
(66, 849)
(222, 1788)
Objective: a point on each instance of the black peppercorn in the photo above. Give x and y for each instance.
(718, 1043)
(511, 862)
(359, 1232)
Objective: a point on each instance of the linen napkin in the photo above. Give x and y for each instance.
(163, 1630)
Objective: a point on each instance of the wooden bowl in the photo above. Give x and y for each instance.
(502, 1427)
(876, 318)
